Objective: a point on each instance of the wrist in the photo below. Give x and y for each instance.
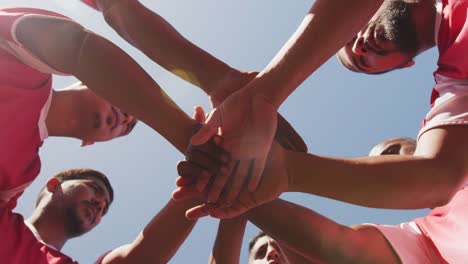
(259, 88)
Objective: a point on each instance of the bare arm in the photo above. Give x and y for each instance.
(328, 26)
(160, 239)
(228, 243)
(70, 48)
(161, 42)
(426, 180)
(312, 237)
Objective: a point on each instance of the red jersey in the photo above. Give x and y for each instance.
(19, 245)
(447, 226)
(25, 93)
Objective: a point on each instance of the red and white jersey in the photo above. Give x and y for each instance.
(447, 226)
(21, 245)
(449, 97)
(25, 94)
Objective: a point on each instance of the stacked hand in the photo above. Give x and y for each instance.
(274, 182)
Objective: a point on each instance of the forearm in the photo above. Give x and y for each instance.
(228, 241)
(161, 42)
(160, 239)
(398, 182)
(126, 85)
(304, 232)
(328, 26)
(69, 48)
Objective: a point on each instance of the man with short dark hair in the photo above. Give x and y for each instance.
(71, 204)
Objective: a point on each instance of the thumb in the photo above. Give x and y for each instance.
(210, 129)
(199, 114)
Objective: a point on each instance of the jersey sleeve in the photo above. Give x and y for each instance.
(9, 20)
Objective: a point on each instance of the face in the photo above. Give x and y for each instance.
(388, 41)
(84, 203)
(266, 250)
(101, 120)
(396, 146)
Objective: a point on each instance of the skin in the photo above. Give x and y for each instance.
(78, 111)
(266, 250)
(370, 51)
(313, 238)
(247, 120)
(440, 152)
(86, 200)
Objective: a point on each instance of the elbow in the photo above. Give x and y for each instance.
(450, 180)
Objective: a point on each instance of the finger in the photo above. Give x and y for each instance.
(197, 212)
(210, 129)
(219, 182)
(204, 161)
(187, 168)
(255, 173)
(203, 181)
(210, 150)
(199, 114)
(226, 213)
(185, 181)
(186, 193)
(238, 179)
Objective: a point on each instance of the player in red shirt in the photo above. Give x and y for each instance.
(36, 43)
(71, 204)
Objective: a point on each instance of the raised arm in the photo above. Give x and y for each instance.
(247, 118)
(228, 243)
(160, 239)
(312, 238)
(161, 42)
(327, 27)
(70, 48)
(426, 180)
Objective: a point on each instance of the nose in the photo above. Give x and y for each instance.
(127, 118)
(272, 254)
(359, 47)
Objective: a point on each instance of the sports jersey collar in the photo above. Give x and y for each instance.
(37, 235)
(438, 19)
(43, 132)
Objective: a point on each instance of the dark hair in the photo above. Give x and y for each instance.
(255, 239)
(80, 174)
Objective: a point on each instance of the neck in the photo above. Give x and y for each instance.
(62, 119)
(50, 230)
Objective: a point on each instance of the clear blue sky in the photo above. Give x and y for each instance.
(338, 113)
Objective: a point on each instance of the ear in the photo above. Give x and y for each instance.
(85, 143)
(406, 65)
(52, 185)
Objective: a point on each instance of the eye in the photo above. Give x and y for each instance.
(261, 252)
(392, 150)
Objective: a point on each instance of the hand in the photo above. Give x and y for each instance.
(234, 81)
(274, 182)
(247, 124)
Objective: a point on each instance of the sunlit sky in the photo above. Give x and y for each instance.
(338, 113)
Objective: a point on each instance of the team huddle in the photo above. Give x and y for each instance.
(242, 155)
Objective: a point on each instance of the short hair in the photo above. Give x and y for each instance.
(80, 174)
(255, 239)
